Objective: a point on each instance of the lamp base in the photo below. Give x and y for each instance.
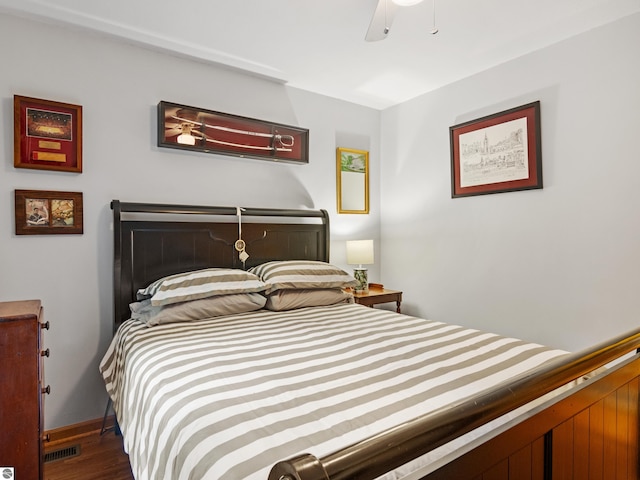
(361, 276)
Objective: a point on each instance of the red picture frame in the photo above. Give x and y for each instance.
(497, 153)
(196, 129)
(47, 135)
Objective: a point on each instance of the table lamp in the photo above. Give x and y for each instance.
(360, 252)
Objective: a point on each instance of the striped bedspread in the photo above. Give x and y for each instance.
(227, 398)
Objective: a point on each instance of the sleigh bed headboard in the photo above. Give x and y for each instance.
(155, 240)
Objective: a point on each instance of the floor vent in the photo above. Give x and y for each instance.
(62, 453)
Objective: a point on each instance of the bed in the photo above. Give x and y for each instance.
(328, 390)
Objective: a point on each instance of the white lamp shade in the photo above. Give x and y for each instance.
(360, 252)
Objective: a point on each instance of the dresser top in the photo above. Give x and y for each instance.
(17, 309)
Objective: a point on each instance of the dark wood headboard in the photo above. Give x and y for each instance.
(155, 240)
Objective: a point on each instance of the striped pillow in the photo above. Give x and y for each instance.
(200, 309)
(290, 274)
(300, 298)
(200, 284)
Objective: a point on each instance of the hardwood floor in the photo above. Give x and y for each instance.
(101, 458)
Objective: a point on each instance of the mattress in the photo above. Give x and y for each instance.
(228, 397)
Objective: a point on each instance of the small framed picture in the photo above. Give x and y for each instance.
(352, 167)
(497, 153)
(43, 212)
(47, 135)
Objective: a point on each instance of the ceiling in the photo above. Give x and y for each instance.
(319, 45)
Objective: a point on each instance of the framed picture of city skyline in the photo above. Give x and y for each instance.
(497, 153)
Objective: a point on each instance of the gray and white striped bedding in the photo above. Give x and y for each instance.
(226, 398)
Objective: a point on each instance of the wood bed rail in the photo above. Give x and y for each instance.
(132, 207)
(388, 450)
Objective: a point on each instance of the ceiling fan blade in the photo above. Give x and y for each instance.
(381, 21)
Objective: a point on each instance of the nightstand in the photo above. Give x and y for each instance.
(378, 294)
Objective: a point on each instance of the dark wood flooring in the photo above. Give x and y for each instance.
(101, 458)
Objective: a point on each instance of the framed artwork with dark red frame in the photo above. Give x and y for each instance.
(44, 212)
(196, 129)
(47, 135)
(497, 153)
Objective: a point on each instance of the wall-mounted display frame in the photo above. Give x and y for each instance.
(497, 153)
(200, 130)
(44, 212)
(47, 135)
(352, 182)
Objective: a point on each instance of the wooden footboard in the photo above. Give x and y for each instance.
(590, 432)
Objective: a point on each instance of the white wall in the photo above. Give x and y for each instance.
(119, 86)
(559, 265)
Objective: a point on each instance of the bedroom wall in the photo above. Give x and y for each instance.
(558, 265)
(119, 86)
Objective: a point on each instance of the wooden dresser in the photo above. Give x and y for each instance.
(21, 388)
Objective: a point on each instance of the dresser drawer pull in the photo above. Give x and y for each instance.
(46, 437)
(47, 389)
(45, 325)
(44, 353)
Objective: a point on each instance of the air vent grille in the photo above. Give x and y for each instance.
(62, 453)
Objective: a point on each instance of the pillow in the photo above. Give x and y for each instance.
(197, 309)
(290, 299)
(302, 274)
(200, 284)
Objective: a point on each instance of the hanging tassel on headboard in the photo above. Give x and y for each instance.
(240, 244)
